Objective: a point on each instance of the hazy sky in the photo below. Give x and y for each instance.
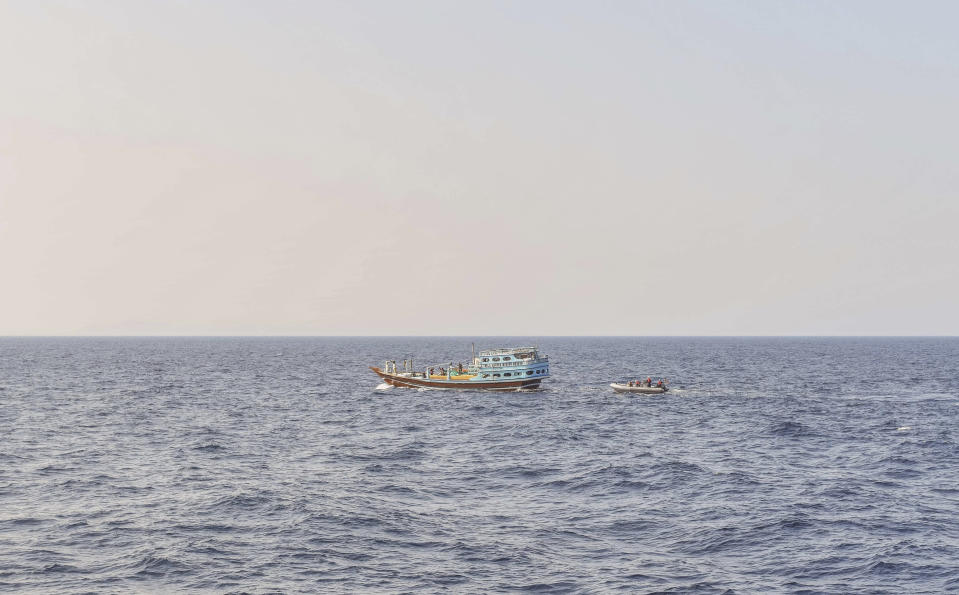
(520, 168)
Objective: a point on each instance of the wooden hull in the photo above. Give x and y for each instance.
(643, 390)
(420, 382)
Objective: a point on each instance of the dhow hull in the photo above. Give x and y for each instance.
(420, 382)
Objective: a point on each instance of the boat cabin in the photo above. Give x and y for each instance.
(513, 363)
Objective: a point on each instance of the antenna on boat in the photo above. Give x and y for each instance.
(473, 352)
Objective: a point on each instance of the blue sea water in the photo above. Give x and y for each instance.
(260, 465)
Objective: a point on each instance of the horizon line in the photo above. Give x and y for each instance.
(361, 336)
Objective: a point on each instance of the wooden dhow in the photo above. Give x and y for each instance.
(507, 369)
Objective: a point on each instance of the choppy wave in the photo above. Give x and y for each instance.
(261, 465)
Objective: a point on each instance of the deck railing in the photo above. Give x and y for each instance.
(519, 363)
(504, 351)
(515, 363)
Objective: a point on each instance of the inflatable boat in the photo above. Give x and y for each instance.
(641, 389)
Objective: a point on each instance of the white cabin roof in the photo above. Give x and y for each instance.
(506, 351)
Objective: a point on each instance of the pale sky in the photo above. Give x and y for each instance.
(482, 168)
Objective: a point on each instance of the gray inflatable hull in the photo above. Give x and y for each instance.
(643, 390)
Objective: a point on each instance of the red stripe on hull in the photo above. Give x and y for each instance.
(405, 382)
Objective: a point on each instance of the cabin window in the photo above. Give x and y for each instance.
(506, 374)
(485, 359)
(495, 359)
(485, 375)
(495, 375)
(529, 372)
(506, 358)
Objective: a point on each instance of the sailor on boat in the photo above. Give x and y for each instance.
(642, 386)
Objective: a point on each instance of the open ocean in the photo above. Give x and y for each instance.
(264, 465)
